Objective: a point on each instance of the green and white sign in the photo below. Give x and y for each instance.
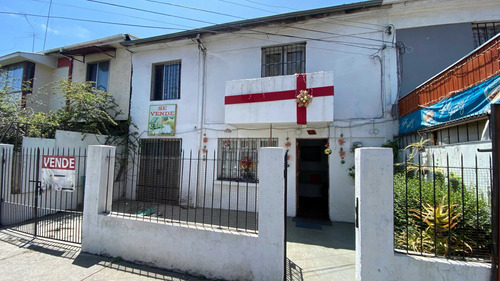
(161, 121)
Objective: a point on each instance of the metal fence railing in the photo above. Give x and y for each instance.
(443, 211)
(42, 190)
(183, 189)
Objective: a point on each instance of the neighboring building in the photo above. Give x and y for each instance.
(104, 61)
(214, 88)
(453, 106)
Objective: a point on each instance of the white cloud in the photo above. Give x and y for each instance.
(81, 33)
(50, 30)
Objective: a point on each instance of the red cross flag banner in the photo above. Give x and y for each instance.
(58, 173)
(303, 94)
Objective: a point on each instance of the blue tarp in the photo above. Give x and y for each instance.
(475, 100)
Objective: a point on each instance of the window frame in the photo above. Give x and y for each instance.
(174, 91)
(285, 66)
(241, 165)
(27, 76)
(97, 84)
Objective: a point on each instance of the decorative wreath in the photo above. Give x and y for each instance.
(304, 98)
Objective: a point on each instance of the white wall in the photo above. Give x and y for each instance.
(208, 252)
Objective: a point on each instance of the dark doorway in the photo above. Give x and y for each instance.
(312, 179)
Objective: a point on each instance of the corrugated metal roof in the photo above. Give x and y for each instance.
(237, 25)
(478, 66)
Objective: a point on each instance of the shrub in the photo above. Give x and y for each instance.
(420, 200)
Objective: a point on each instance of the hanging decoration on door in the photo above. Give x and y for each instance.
(328, 150)
(341, 142)
(204, 150)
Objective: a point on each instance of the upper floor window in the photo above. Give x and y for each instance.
(283, 60)
(484, 31)
(98, 72)
(166, 84)
(14, 77)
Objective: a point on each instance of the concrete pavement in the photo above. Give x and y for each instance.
(320, 250)
(316, 251)
(25, 258)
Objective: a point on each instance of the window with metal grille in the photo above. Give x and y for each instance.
(484, 31)
(166, 84)
(283, 60)
(237, 158)
(159, 172)
(99, 73)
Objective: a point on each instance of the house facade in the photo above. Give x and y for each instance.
(233, 88)
(103, 61)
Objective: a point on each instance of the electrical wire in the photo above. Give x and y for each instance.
(247, 6)
(271, 6)
(195, 9)
(115, 13)
(87, 20)
(47, 24)
(154, 12)
(149, 11)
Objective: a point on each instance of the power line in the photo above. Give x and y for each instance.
(119, 14)
(251, 7)
(149, 11)
(253, 30)
(94, 21)
(196, 9)
(271, 6)
(47, 25)
(217, 13)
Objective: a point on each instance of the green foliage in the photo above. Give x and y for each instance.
(87, 109)
(352, 172)
(84, 109)
(462, 218)
(394, 144)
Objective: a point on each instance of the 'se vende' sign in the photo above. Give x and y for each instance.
(58, 173)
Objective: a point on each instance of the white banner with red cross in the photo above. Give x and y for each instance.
(275, 99)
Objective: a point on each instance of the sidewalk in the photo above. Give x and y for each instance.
(25, 258)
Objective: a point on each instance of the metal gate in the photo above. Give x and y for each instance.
(41, 192)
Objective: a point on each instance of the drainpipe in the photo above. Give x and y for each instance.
(202, 58)
(202, 55)
(70, 78)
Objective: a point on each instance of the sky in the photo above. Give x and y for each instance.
(26, 26)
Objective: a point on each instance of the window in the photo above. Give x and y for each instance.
(237, 158)
(99, 73)
(13, 78)
(283, 60)
(166, 84)
(484, 32)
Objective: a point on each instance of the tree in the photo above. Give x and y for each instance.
(84, 109)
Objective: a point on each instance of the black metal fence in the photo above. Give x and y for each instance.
(183, 188)
(39, 201)
(442, 210)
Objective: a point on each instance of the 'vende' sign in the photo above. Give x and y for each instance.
(58, 172)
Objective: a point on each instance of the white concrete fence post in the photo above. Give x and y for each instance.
(271, 213)
(98, 190)
(375, 216)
